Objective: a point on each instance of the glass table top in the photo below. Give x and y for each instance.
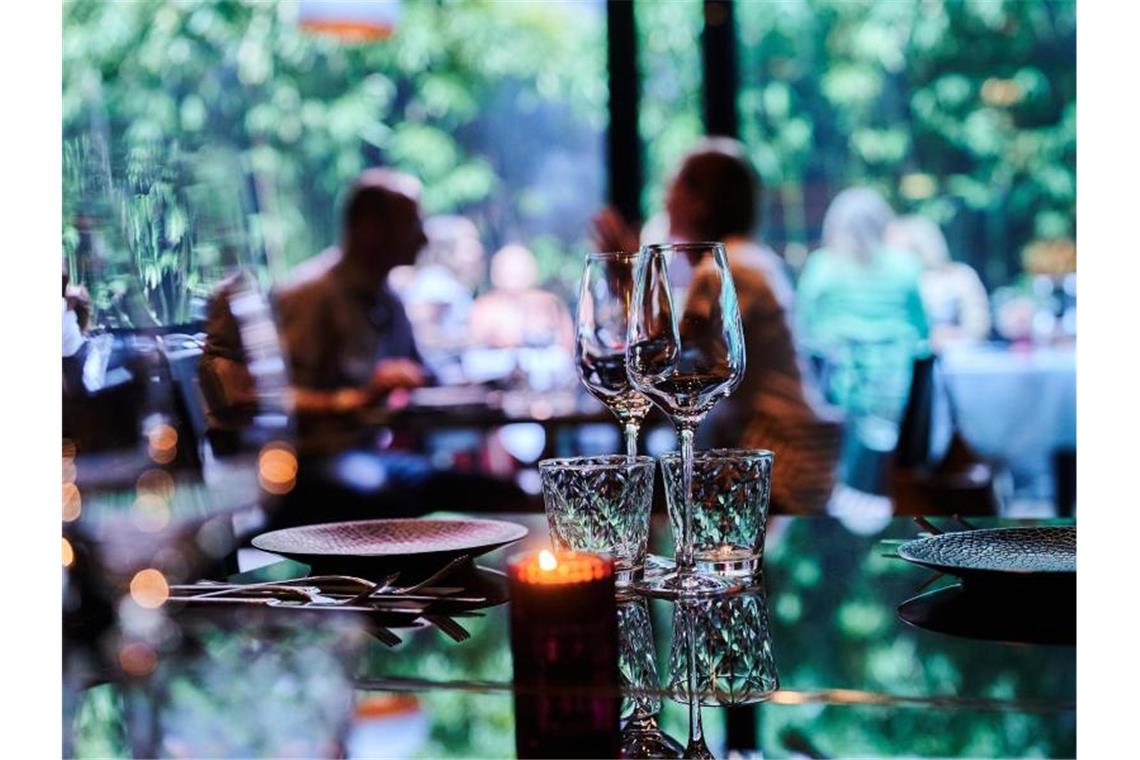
(854, 678)
(827, 666)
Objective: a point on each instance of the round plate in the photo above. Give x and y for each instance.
(1004, 555)
(376, 544)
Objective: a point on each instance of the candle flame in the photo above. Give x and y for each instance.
(546, 560)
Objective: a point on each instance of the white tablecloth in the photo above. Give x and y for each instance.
(1014, 406)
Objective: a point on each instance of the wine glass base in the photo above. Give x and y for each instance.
(639, 742)
(676, 585)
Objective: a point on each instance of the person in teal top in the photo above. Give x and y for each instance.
(858, 305)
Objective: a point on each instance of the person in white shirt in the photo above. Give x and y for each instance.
(955, 300)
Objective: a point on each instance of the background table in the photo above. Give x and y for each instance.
(1015, 406)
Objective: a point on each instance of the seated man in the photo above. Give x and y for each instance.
(347, 338)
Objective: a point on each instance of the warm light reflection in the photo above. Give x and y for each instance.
(149, 588)
(157, 483)
(151, 512)
(277, 468)
(68, 449)
(138, 659)
(1001, 92)
(917, 186)
(72, 502)
(163, 443)
(546, 560)
(68, 553)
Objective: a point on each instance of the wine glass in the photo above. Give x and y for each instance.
(603, 328)
(641, 736)
(685, 360)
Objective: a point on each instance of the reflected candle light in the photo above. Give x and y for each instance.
(564, 647)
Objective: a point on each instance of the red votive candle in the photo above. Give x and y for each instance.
(564, 646)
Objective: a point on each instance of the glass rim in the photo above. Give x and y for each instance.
(699, 245)
(597, 462)
(744, 454)
(612, 255)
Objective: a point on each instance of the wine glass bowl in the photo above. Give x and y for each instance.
(685, 351)
(600, 341)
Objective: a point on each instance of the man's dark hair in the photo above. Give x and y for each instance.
(374, 193)
(364, 201)
(718, 171)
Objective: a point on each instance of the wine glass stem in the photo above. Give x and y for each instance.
(696, 729)
(631, 439)
(685, 562)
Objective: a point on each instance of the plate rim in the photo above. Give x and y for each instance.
(903, 551)
(522, 530)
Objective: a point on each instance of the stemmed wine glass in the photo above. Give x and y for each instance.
(603, 328)
(685, 351)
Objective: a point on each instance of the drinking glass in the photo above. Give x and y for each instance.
(721, 652)
(601, 504)
(685, 352)
(730, 491)
(603, 328)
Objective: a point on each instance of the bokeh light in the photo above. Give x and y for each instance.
(163, 443)
(151, 512)
(68, 553)
(156, 482)
(277, 468)
(138, 659)
(149, 588)
(72, 502)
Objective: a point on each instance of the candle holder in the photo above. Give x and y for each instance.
(564, 647)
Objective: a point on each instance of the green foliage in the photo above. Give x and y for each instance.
(151, 88)
(226, 123)
(963, 110)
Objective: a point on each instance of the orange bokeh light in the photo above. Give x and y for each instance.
(72, 502)
(149, 588)
(277, 469)
(68, 553)
(163, 443)
(155, 482)
(138, 659)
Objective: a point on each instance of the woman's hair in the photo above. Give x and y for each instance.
(718, 172)
(855, 222)
(920, 236)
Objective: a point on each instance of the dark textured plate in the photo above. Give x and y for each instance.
(400, 544)
(1000, 555)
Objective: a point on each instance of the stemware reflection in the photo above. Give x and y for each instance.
(729, 641)
(721, 654)
(641, 707)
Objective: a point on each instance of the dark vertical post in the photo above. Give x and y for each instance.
(721, 79)
(623, 143)
(740, 728)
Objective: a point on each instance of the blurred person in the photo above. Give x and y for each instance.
(956, 302)
(76, 313)
(860, 311)
(516, 313)
(854, 281)
(716, 196)
(438, 292)
(347, 337)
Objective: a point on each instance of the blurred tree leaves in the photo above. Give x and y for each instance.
(149, 86)
(975, 98)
